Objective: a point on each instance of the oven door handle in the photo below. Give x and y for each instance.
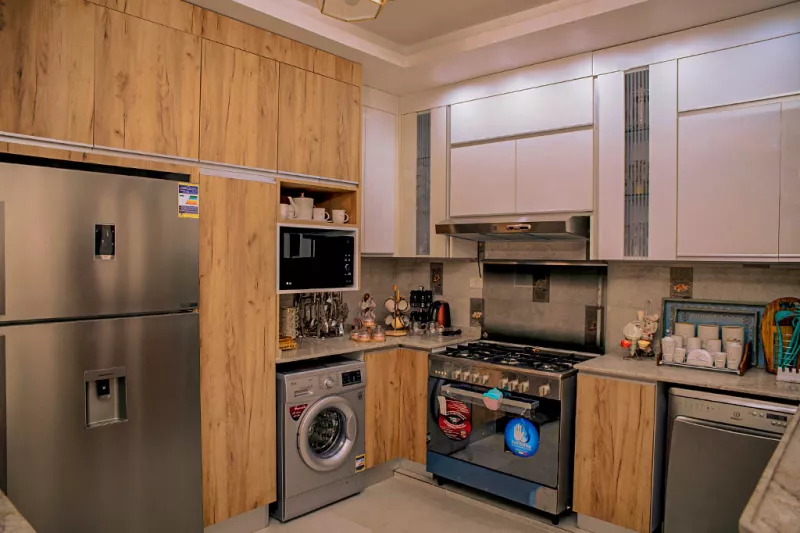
(476, 398)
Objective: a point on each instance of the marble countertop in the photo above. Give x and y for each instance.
(313, 348)
(11, 521)
(774, 506)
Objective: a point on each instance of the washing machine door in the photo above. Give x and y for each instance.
(327, 433)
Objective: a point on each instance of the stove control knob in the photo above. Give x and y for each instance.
(484, 379)
(475, 377)
(513, 384)
(524, 386)
(544, 390)
(456, 374)
(503, 383)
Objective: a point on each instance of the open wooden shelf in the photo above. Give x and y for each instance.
(302, 222)
(327, 196)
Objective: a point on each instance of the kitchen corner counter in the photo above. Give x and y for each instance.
(11, 521)
(314, 348)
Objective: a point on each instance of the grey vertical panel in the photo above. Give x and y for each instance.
(423, 234)
(637, 163)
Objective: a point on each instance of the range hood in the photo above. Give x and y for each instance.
(533, 228)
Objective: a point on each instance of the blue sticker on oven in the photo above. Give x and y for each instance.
(522, 437)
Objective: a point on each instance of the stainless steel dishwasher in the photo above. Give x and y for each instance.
(719, 446)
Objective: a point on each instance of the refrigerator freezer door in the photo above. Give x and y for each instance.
(83, 244)
(139, 468)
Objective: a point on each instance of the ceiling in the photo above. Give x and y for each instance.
(408, 22)
(416, 45)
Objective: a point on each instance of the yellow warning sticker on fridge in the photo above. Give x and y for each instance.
(361, 462)
(188, 200)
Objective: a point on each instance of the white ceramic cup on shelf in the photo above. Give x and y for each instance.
(720, 359)
(714, 345)
(680, 355)
(693, 344)
(340, 216)
(667, 349)
(287, 211)
(678, 341)
(685, 330)
(734, 354)
(707, 332)
(732, 333)
(321, 215)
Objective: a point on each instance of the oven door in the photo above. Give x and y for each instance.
(518, 436)
(316, 259)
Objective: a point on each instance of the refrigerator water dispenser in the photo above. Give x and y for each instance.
(106, 397)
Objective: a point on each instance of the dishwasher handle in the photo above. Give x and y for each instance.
(728, 428)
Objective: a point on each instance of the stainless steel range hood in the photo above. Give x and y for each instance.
(533, 228)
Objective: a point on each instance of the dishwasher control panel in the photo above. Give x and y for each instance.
(742, 412)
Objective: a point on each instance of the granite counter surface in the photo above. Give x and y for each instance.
(313, 348)
(11, 521)
(774, 506)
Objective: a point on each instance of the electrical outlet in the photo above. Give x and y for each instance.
(475, 283)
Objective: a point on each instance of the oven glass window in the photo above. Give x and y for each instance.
(327, 433)
(524, 444)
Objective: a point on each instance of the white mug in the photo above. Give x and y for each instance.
(732, 333)
(714, 345)
(685, 330)
(320, 214)
(693, 344)
(340, 216)
(734, 354)
(678, 341)
(680, 355)
(287, 211)
(720, 359)
(668, 348)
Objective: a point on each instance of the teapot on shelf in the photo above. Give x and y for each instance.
(303, 207)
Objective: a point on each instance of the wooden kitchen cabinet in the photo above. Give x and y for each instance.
(729, 183)
(614, 450)
(396, 406)
(47, 71)
(147, 89)
(237, 345)
(238, 108)
(319, 126)
(379, 182)
(176, 14)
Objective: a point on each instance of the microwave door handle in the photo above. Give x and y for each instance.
(476, 398)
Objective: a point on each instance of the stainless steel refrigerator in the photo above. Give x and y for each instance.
(99, 351)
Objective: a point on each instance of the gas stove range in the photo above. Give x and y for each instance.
(526, 370)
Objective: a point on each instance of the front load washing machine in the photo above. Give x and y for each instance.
(320, 434)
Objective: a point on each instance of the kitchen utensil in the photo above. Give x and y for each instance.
(440, 313)
(694, 343)
(287, 211)
(303, 207)
(685, 330)
(714, 345)
(699, 358)
(340, 216)
(787, 336)
(733, 354)
(680, 355)
(320, 215)
(732, 333)
(769, 329)
(707, 332)
(390, 305)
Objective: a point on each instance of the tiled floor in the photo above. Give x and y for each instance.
(402, 504)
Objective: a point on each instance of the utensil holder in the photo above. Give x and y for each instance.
(791, 375)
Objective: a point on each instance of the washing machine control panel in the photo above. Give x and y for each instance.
(351, 378)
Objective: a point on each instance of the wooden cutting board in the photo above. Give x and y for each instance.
(768, 330)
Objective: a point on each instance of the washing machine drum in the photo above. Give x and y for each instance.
(327, 434)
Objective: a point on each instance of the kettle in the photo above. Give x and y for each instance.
(440, 313)
(303, 207)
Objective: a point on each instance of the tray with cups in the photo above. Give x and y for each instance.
(718, 336)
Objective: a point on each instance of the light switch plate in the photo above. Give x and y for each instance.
(475, 283)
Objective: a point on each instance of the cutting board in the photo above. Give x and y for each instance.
(768, 330)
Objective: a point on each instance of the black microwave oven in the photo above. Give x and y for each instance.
(316, 258)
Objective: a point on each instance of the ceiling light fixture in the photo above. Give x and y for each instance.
(352, 10)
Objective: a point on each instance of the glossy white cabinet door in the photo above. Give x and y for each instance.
(482, 179)
(552, 107)
(729, 183)
(610, 235)
(790, 182)
(380, 182)
(556, 173)
(742, 74)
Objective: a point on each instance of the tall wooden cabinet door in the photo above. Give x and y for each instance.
(614, 434)
(300, 102)
(173, 13)
(237, 345)
(47, 69)
(482, 179)
(414, 404)
(238, 108)
(382, 400)
(148, 86)
(790, 182)
(729, 183)
(340, 142)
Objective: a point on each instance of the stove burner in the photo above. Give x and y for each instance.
(540, 359)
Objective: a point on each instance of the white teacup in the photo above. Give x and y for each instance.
(678, 341)
(680, 355)
(287, 211)
(734, 354)
(693, 344)
(340, 216)
(668, 348)
(320, 214)
(714, 345)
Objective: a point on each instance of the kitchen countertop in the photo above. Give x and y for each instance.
(774, 506)
(313, 348)
(11, 521)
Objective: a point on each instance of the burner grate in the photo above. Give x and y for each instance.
(527, 357)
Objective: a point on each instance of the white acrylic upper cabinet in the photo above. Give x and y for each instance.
(556, 173)
(552, 107)
(379, 182)
(790, 182)
(729, 183)
(753, 72)
(482, 179)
